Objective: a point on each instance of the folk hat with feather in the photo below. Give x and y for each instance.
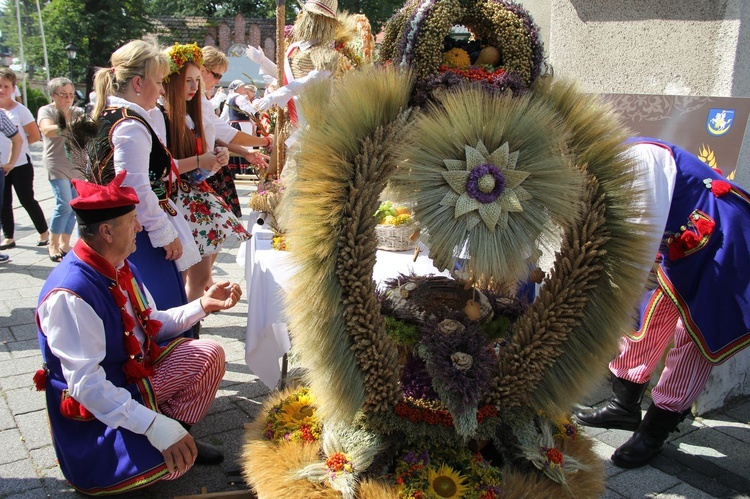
(97, 203)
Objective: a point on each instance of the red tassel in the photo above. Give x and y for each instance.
(40, 380)
(127, 322)
(135, 371)
(69, 407)
(153, 352)
(720, 187)
(119, 297)
(675, 251)
(132, 345)
(153, 327)
(704, 226)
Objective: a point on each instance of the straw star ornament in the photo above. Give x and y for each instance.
(486, 186)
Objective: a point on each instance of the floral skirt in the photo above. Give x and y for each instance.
(208, 216)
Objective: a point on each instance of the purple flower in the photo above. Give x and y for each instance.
(460, 390)
(486, 183)
(415, 382)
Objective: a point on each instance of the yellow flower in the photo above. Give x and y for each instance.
(447, 482)
(457, 58)
(298, 412)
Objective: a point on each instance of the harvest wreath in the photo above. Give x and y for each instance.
(432, 363)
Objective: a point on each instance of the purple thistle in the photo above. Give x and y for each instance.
(459, 389)
(476, 177)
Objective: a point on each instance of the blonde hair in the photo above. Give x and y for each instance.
(181, 141)
(135, 58)
(214, 58)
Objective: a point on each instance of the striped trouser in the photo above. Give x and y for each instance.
(686, 370)
(186, 381)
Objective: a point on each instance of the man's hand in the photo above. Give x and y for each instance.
(173, 441)
(7, 168)
(221, 296)
(181, 455)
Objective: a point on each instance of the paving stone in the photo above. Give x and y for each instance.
(44, 457)
(641, 482)
(736, 482)
(683, 491)
(21, 381)
(729, 427)
(34, 427)
(26, 332)
(25, 348)
(6, 418)
(21, 366)
(25, 400)
(39, 493)
(13, 448)
(5, 334)
(717, 448)
(17, 477)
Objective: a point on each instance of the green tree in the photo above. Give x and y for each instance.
(30, 32)
(96, 27)
(377, 11)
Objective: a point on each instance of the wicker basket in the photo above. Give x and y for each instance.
(392, 238)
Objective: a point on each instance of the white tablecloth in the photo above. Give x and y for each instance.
(267, 274)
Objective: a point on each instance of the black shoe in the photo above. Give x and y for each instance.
(208, 454)
(648, 440)
(8, 244)
(622, 412)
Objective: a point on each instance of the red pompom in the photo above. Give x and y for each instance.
(40, 380)
(704, 226)
(720, 187)
(69, 407)
(84, 413)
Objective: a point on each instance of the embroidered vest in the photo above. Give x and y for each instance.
(160, 159)
(705, 257)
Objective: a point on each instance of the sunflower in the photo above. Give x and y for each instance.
(446, 482)
(298, 412)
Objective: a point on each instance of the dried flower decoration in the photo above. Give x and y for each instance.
(487, 183)
(181, 54)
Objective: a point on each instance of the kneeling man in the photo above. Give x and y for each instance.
(122, 387)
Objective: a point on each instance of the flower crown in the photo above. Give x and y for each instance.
(180, 54)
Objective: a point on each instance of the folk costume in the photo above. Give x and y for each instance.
(112, 362)
(210, 219)
(215, 128)
(698, 302)
(134, 146)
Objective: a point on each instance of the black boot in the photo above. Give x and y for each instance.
(648, 441)
(622, 412)
(207, 453)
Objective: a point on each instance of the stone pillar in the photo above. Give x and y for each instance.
(225, 39)
(239, 29)
(253, 36)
